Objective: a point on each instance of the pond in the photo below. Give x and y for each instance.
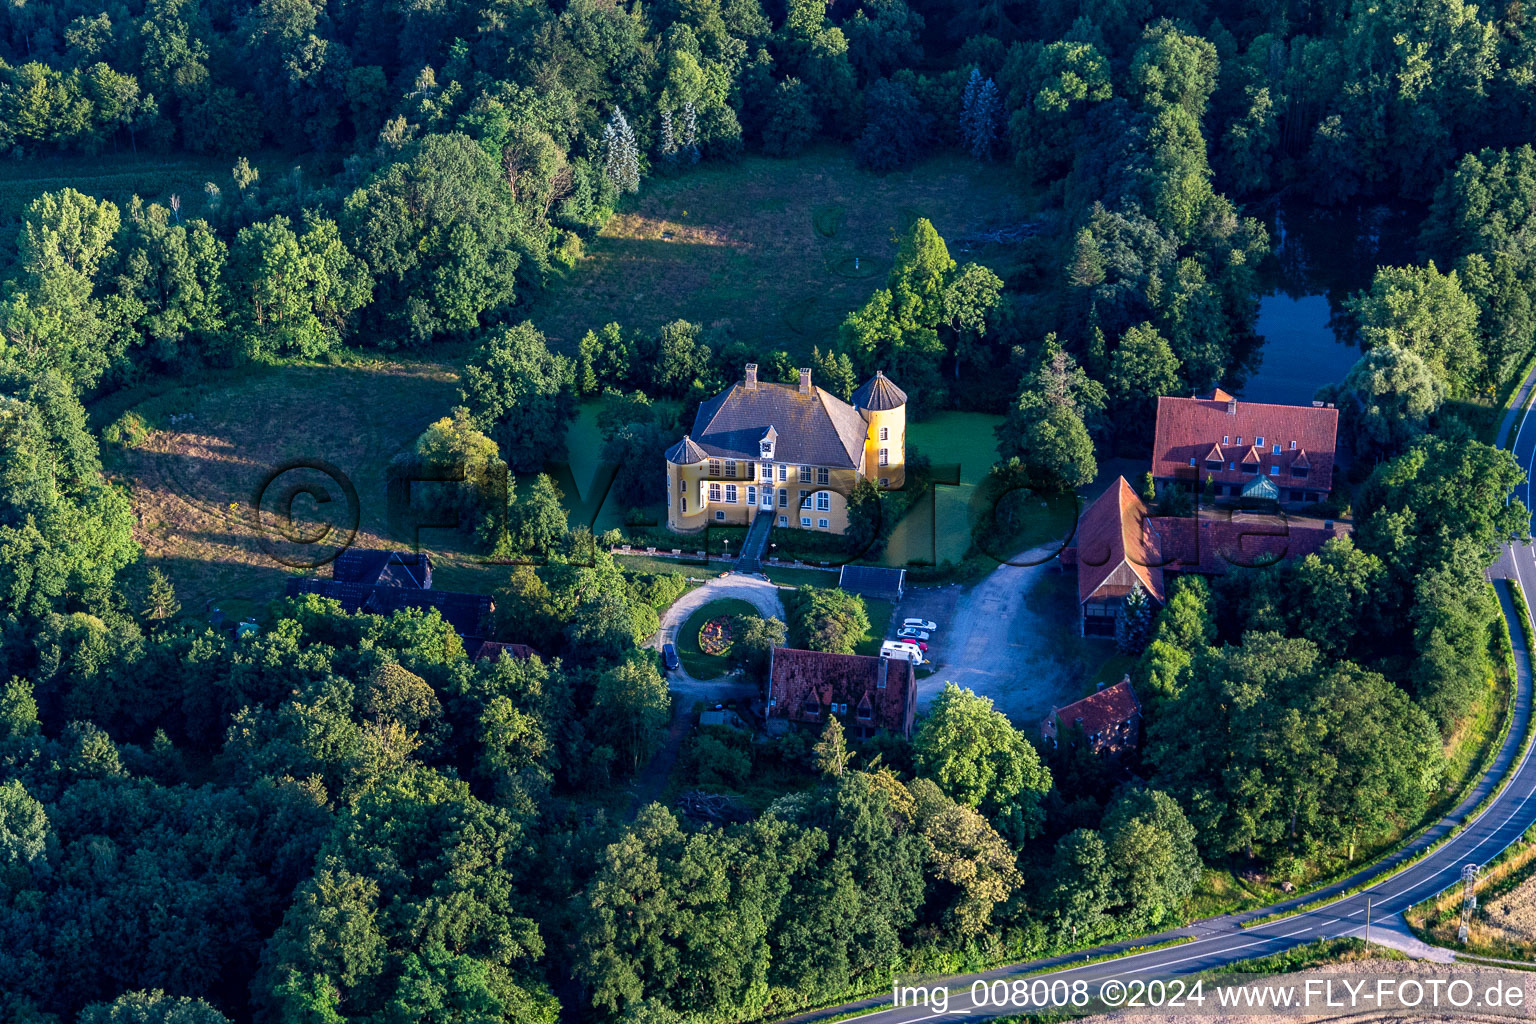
(1321, 256)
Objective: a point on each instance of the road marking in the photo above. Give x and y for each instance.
(1199, 956)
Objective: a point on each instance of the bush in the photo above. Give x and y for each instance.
(129, 430)
(717, 755)
(657, 589)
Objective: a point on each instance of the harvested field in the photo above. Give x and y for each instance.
(1510, 919)
(195, 477)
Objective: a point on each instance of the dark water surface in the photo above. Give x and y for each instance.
(1322, 256)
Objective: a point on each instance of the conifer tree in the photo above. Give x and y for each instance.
(980, 107)
(159, 597)
(690, 133)
(621, 157)
(666, 147)
(1133, 625)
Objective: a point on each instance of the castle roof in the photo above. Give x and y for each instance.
(686, 453)
(813, 427)
(878, 394)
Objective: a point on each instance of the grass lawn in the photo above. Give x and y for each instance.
(696, 662)
(938, 529)
(154, 177)
(577, 478)
(1110, 672)
(649, 563)
(763, 250)
(879, 620)
(801, 577)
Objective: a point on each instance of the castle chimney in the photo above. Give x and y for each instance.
(751, 380)
(805, 380)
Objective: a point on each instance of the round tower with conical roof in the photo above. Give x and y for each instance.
(687, 468)
(884, 408)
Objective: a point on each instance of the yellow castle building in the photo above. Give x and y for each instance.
(793, 452)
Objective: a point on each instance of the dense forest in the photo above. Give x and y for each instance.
(342, 818)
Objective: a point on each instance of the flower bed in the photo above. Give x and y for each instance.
(715, 636)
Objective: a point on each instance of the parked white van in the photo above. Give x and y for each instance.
(906, 652)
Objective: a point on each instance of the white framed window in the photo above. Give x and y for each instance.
(822, 523)
(783, 472)
(719, 514)
(1274, 450)
(885, 433)
(885, 456)
(730, 494)
(805, 500)
(714, 492)
(1191, 460)
(682, 488)
(1239, 438)
(821, 475)
(1274, 470)
(783, 520)
(1259, 441)
(714, 467)
(885, 481)
(751, 495)
(1293, 446)
(730, 467)
(682, 504)
(805, 474)
(805, 520)
(1225, 439)
(783, 498)
(823, 502)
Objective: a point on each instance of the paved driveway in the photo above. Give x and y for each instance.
(990, 641)
(759, 593)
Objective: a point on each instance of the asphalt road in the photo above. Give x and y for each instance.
(1216, 942)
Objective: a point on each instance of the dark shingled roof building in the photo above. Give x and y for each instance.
(812, 426)
(384, 582)
(866, 694)
(383, 568)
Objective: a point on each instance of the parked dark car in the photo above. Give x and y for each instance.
(669, 656)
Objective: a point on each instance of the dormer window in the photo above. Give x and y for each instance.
(1275, 450)
(1293, 446)
(1259, 441)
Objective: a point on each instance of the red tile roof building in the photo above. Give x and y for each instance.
(1119, 543)
(1247, 449)
(1110, 720)
(480, 649)
(866, 694)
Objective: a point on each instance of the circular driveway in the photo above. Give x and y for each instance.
(759, 593)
